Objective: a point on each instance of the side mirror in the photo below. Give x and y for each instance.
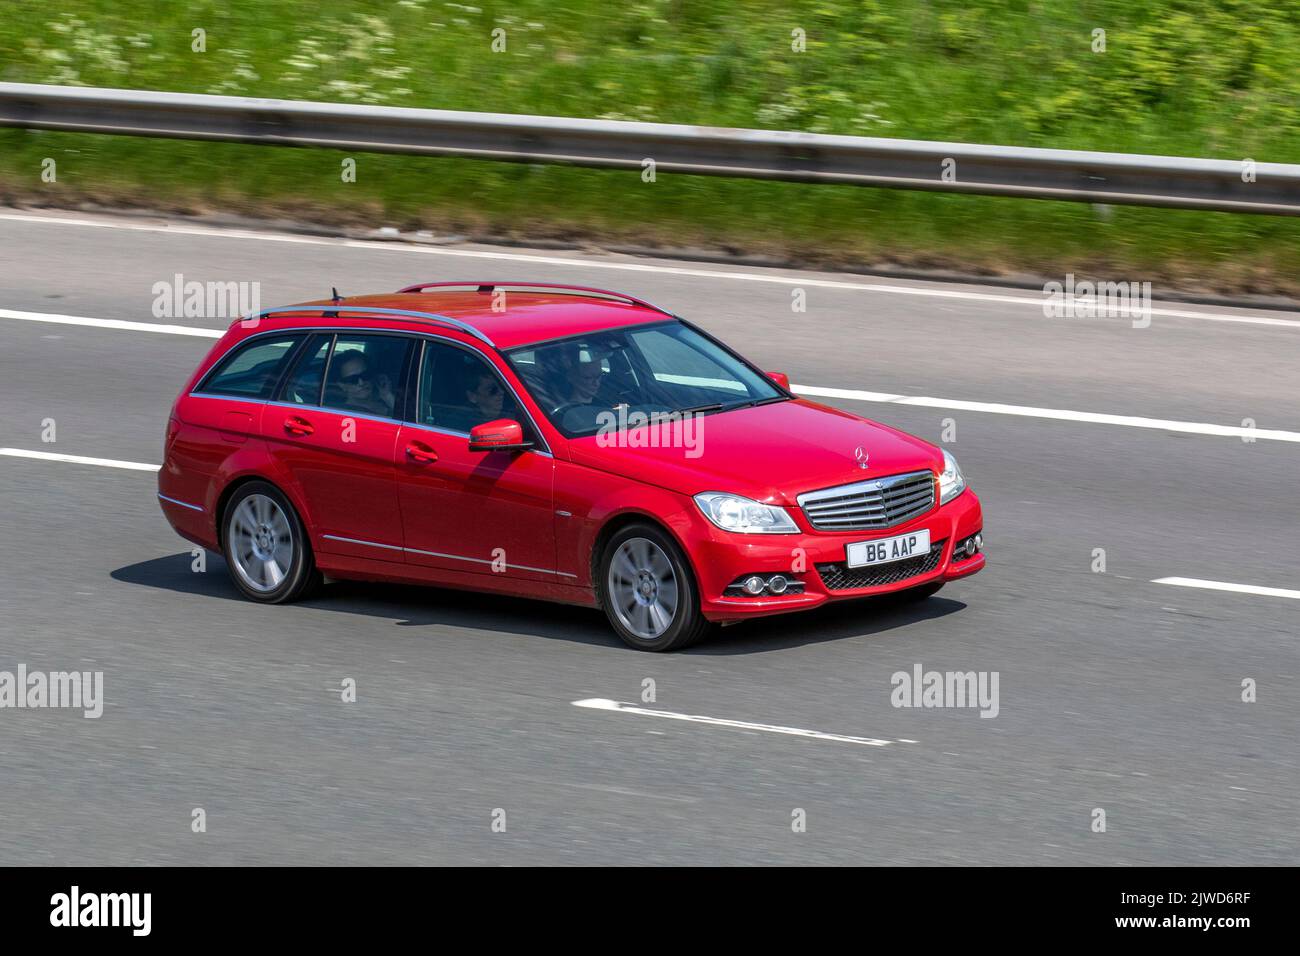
(781, 379)
(500, 435)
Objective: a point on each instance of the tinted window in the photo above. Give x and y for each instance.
(679, 360)
(459, 390)
(650, 370)
(253, 369)
(364, 373)
(303, 385)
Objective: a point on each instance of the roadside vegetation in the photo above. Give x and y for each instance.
(1214, 78)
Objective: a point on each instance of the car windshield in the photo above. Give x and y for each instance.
(650, 369)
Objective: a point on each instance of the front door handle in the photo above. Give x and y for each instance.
(298, 426)
(421, 453)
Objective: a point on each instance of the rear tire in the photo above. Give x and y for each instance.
(266, 547)
(648, 592)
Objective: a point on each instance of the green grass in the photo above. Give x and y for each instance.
(1183, 77)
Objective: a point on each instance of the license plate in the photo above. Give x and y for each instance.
(884, 550)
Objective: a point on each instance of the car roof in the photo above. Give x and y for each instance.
(528, 317)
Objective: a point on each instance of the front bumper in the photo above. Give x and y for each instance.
(722, 557)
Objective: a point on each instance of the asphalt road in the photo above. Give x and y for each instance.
(1115, 692)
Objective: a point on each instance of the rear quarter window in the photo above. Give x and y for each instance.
(252, 369)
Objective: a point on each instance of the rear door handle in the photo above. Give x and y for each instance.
(421, 453)
(298, 426)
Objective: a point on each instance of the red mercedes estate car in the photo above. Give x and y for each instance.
(551, 442)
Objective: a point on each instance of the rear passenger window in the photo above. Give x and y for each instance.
(253, 369)
(304, 384)
(364, 373)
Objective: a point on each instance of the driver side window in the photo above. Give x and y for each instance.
(459, 390)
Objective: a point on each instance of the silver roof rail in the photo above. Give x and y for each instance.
(338, 307)
(555, 287)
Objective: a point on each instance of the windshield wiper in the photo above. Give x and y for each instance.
(711, 407)
(759, 401)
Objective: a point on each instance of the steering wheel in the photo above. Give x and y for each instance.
(564, 407)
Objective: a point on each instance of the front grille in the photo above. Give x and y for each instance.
(880, 503)
(838, 576)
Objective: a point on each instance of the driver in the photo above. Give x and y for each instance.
(581, 379)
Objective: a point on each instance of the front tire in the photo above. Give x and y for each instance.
(265, 545)
(648, 591)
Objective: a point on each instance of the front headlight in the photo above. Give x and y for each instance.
(951, 481)
(744, 515)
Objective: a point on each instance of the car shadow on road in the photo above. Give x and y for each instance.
(865, 617)
(427, 606)
(404, 605)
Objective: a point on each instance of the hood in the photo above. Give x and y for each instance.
(770, 453)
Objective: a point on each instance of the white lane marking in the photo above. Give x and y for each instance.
(597, 703)
(1060, 414)
(1227, 586)
(384, 246)
(56, 319)
(601, 703)
(78, 459)
(815, 391)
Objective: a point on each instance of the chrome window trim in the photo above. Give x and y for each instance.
(440, 554)
(452, 433)
(545, 450)
(338, 411)
(183, 504)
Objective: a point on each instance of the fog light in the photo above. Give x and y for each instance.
(777, 584)
(754, 584)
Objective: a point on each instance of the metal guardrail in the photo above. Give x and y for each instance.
(1121, 178)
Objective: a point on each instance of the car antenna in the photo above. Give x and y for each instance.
(334, 297)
